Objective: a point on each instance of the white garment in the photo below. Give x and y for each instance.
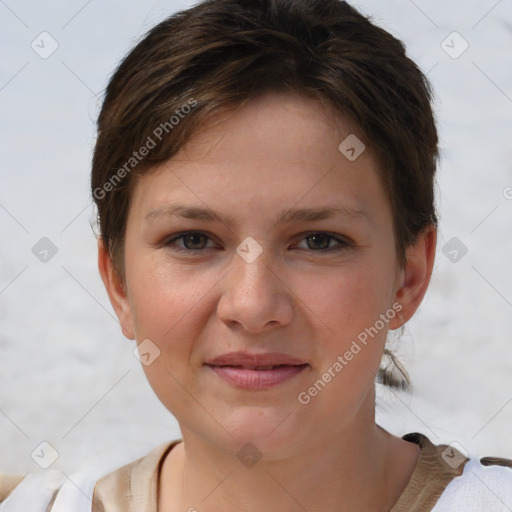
(479, 489)
(36, 491)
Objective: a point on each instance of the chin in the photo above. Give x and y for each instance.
(273, 431)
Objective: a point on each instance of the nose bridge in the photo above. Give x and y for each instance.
(253, 296)
(251, 272)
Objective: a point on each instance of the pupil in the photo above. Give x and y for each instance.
(194, 239)
(317, 238)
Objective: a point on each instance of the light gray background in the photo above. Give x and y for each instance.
(68, 376)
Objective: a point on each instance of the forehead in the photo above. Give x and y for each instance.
(274, 153)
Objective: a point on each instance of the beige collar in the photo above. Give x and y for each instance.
(134, 487)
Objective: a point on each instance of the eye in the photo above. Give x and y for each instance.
(191, 241)
(196, 241)
(320, 242)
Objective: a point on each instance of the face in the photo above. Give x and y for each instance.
(262, 245)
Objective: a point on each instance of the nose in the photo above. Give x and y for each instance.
(255, 296)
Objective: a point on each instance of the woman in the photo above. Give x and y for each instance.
(264, 177)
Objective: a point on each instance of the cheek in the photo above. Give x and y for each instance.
(162, 297)
(173, 307)
(348, 305)
(170, 307)
(349, 344)
(347, 301)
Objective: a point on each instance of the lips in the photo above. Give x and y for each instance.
(253, 361)
(256, 371)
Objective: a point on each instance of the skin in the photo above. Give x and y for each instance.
(273, 154)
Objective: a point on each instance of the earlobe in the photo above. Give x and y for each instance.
(116, 290)
(416, 275)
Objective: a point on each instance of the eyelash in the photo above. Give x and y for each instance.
(342, 243)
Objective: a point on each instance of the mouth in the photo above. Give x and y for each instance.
(259, 368)
(256, 372)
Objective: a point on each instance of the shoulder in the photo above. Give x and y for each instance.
(485, 484)
(7, 484)
(93, 487)
(34, 491)
(446, 479)
(133, 484)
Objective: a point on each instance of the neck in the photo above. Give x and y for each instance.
(363, 468)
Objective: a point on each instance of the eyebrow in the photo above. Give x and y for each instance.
(291, 215)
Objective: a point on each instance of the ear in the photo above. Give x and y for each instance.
(415, 275)
(116, 290)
